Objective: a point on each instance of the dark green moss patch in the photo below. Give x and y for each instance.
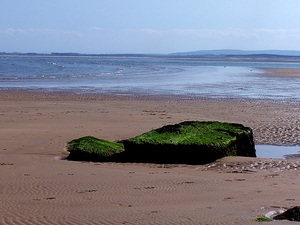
(187, 133)
(93, 149)
(191, 142)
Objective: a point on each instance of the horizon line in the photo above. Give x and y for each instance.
(212, 52)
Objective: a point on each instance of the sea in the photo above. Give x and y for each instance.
(148, 75)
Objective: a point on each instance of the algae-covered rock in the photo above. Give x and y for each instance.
(191, 142)
(92, 149)
(292, 214)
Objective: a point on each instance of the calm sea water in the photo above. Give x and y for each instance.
(148, 76)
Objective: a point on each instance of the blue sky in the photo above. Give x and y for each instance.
(148, 26)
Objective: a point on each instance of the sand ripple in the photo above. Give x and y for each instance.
(80, 193)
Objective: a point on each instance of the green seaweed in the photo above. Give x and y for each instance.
(92, 145)
(200, 133)
(263, 218)
(190, 142)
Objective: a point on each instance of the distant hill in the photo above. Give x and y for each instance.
(232, 52)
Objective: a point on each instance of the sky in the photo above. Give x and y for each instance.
(148, 26)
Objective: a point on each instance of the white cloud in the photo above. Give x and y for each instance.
(37, 31)
(255, 39)
(99, 40)
(96, 28)
(240, 33)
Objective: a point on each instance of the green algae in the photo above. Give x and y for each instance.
(190, 142)
(89, 146)
(195, 132)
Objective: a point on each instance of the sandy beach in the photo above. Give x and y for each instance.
(38, 187)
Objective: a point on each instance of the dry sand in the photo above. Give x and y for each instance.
(37, 187)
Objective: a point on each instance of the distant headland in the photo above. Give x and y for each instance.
(235, 52)
(222, 54)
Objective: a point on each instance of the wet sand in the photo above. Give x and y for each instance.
(283, 72)
(37, 187)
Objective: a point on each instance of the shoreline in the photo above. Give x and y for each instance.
(59, 95)
(262, 89)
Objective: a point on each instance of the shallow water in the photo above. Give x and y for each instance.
(277, 152)
(148, 76)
